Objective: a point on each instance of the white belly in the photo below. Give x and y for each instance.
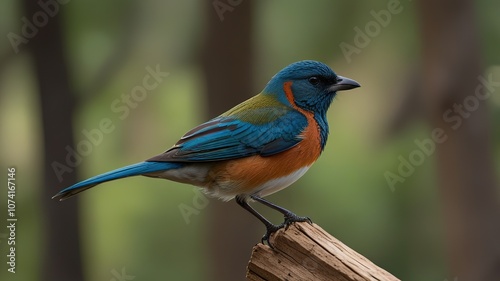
(278, 184)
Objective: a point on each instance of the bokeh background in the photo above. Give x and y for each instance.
(418, 62)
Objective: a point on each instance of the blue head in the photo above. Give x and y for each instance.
(312, 84)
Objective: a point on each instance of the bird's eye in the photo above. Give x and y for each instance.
(314, 80)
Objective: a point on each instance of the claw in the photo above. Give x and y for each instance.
(270, 230)
(291, 218)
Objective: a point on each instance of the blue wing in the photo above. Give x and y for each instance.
(228, 137)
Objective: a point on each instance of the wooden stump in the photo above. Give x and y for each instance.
(306, 252)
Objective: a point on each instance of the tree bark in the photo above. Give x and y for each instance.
(306, 252)
(467, 185)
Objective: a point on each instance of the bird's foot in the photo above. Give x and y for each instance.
(291, 218)
(272, 228)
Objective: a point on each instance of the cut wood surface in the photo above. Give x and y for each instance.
(306, 252)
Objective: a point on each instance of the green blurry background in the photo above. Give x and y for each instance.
(136, 224)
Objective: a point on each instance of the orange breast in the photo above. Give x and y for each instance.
(245, 174)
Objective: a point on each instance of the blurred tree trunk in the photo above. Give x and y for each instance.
(227, 61)
(61, 259)
(451, 66)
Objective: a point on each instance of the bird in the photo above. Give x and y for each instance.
(254, 149)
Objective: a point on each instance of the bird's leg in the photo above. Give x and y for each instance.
(289, 216)
(270, 227)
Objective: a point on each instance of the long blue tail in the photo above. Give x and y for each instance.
(127, 171)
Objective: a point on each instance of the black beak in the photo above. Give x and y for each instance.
(343, 84)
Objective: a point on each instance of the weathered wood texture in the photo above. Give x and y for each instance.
(306, 252)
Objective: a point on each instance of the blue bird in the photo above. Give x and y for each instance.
(257, 148)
